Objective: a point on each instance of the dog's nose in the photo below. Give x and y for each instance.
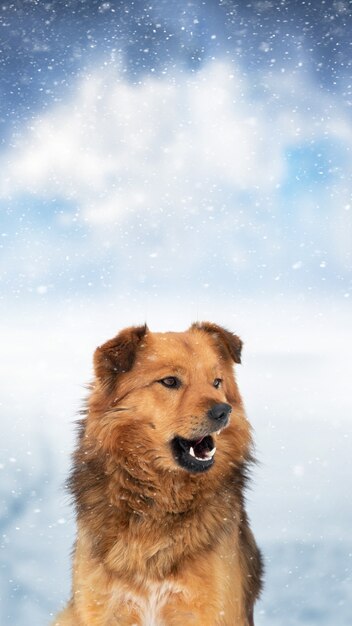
(219, 413)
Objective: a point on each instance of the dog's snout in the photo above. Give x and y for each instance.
(219, 413)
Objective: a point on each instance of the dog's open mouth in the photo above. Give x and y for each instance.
(194, 455)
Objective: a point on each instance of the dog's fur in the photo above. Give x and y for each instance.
(159, 544)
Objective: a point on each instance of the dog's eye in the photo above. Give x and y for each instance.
(171, 382)
(217, 383)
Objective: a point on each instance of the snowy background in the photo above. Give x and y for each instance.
(168, 162)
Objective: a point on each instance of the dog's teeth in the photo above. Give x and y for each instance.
(208, 455)
(218, 432)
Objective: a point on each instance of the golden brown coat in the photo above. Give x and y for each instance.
(160, 542)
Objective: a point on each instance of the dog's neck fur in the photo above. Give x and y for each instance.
(141, 528)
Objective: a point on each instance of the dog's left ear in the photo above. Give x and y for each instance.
(117, 355)
(228, 343)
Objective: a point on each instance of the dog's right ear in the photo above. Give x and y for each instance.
(228, 343)
(118, 354)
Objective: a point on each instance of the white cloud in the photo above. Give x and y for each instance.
(212, 142)
(117, 147)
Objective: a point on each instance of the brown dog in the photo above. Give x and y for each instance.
(158, 478)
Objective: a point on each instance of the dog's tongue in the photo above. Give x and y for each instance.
(204, 446)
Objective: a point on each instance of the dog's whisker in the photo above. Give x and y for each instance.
(120, 408)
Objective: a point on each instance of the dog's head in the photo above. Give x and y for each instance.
(170, 400)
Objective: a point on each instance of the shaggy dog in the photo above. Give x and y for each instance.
(158, 477)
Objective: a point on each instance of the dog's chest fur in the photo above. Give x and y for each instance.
(149, 606)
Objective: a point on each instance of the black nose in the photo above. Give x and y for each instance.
(219, 413)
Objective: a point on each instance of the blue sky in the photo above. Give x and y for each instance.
(188, 147)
